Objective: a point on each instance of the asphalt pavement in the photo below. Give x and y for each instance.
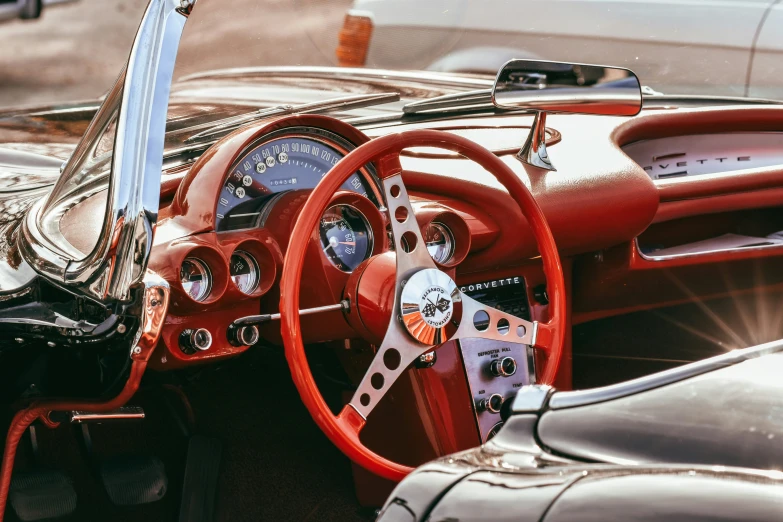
(75, 51)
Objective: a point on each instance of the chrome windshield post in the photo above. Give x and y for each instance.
(119, 259)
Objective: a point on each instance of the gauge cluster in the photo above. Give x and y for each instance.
(231, 220)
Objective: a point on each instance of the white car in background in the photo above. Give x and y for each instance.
(25, 9)
(721, 47)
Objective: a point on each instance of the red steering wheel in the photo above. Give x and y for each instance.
(429, 309)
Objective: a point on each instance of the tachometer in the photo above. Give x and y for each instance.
(346, 237)
(295, 161)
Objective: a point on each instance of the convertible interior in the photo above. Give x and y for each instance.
(358, 277)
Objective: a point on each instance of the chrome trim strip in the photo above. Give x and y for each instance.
(347, 73)
(155, 305)
(344, 103)
(531, 398)
(573, 399)
(122, 413)
(461, 101)
(655, 259)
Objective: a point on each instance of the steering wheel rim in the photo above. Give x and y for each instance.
(343, 430)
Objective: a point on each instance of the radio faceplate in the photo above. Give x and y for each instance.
(488, 363)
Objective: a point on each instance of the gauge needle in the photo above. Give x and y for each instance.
(333, 242)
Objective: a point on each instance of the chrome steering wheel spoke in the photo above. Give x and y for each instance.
(398, 349)
(411, 250)
(480, 321)
(429, 309)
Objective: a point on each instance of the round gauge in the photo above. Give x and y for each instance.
(346, 237)
(195, 278)
(440, 242)
(244, 272)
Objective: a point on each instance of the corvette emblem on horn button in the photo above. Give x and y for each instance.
(435, 308)
(431, 306)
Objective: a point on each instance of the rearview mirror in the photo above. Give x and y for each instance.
(544, 86)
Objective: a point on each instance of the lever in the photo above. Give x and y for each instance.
(344, 305)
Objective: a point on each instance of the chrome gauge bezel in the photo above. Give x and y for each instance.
(451, 241)
(206, 276)
(367, 226)
(323, 136)
(255, 271)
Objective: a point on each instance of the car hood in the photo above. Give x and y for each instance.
(36, 141)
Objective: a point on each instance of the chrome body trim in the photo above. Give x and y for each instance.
(348, 73)
(155, 305)
(653, 258)
(462, 101)
(573, 399)
(224, 126)
(140, 98)
(531, 398)
(122, 413)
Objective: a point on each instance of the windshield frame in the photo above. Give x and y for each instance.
(138, 103)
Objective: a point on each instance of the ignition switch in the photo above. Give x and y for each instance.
(193, 340)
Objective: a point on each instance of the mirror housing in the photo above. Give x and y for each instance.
(544, 86)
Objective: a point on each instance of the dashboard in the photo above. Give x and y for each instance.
(228, 266)
(222, 235)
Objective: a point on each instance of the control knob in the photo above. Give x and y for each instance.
(193, 340)
(491, 404)
(242, 335)
(503, 367)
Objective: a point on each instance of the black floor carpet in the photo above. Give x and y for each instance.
(276, 464)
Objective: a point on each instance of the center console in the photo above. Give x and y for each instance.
(496, 370)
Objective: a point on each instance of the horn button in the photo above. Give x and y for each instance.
(431, 306)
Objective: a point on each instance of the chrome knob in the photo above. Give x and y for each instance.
(193, 340)
(426, 360)
(243, 335)
(505, 367)
(491, 404)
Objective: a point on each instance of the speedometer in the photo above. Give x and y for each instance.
(346, 237)
(295, 159)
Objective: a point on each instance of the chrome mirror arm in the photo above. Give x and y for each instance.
(533, 151)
